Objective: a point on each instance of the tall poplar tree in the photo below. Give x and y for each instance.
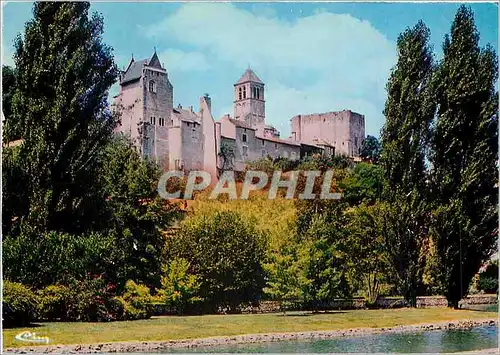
(409, 111)
(465, 152)
(64, 72)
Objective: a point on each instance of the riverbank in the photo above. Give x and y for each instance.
(192, 332)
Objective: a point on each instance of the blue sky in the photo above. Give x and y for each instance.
(313, 57)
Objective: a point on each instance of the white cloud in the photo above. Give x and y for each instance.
(178, 60)
(7, 56)
(322, 62)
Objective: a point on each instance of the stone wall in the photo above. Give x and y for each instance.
(344, 130)
(382, 302)
(354, 303)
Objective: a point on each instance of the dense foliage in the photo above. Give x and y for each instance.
(225, 253)
(370, 149)
(464, 156)
(86, 236)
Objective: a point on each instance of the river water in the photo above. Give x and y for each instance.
(485, 337)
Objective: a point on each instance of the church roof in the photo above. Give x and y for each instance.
(186, 115)
(134, 69)
(249, 75)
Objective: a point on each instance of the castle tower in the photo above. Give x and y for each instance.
(145, 102)
(249, 103)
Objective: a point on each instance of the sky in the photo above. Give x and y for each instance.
(312, 57)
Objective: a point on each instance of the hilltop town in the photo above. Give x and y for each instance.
(188, 139)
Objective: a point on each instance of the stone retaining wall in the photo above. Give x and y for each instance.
(354, 303)
(382, 302)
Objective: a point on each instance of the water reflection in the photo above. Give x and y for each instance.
(422, 342)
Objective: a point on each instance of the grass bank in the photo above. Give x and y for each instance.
(174, 328)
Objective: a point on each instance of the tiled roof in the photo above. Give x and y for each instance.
(242, 124)
(134, 71)
(249, 75)
(279, 140)
(186, 115)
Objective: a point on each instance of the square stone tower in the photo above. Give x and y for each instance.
(146, 102)
(249, 102)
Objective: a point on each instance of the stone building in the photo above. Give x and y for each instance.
(343, 130)
(185, 139)
(176, 138)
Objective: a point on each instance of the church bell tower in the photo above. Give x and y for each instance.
(249, 103)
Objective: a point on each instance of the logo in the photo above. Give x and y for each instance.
(31, 338)
(254, 180)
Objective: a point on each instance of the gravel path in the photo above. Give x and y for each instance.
(156, 346)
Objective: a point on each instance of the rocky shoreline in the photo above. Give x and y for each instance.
(156, 346)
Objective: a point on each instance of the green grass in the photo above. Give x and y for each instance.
(172, 327)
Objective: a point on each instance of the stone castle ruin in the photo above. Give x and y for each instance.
(184, 139)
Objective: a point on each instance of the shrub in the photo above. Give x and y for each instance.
(225, 252)
(54, 302)
(179, 287)
(136, 301)
(19, 304)
(488, 279)
(92, 301)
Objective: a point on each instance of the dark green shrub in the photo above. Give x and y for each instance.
(19, 304)
(488, 279)
(225, 252)
(487, 284)
(92, 301)
(54, 302)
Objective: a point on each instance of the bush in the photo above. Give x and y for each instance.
(46, 259)
(54, 302)
(487, 284)
(19, 304)
(488, 279)
(92, 301)
(136, 301)
(225, 253)
(179, 287)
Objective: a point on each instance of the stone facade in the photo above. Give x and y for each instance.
(344, 130)
(185, 139)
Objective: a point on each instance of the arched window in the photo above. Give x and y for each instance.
(152, 86)
(239, 93)
(244, 92)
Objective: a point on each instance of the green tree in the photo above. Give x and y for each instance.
(324, 252)
(409, 111)
(368, 257)
(225, 253)
(364, 183)
(370, 149)
(59, 108)
(55, 257)
(136, 214)
(286, 276)
(8, 89)
(464, 156)
(402, 225)
(179, 287)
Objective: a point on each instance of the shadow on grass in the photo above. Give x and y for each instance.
(30, 325)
